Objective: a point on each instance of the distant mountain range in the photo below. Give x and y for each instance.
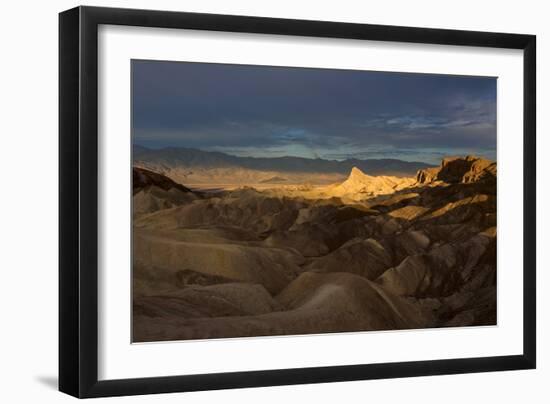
(170, 158)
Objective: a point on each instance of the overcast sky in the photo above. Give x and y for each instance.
(335, 114)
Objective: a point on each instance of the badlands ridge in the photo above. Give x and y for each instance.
(368, 253)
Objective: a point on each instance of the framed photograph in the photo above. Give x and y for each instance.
(251, 201)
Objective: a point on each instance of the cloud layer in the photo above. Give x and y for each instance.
(275, 111)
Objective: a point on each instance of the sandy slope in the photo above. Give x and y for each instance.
(313, 303)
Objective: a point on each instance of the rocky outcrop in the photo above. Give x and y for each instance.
(462, 170)
(153, 192)
(427, 175)
(361, 186)
(143, 179)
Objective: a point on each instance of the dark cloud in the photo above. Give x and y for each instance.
(261, 110)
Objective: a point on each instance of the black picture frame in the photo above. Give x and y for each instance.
(78, 201)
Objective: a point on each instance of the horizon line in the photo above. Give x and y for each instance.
(277, 157)
(310, 158)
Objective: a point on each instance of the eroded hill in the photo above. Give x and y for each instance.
(371, 253)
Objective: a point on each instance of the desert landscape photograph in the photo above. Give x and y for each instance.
(271, 201)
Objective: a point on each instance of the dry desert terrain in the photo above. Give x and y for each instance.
(273, 256)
